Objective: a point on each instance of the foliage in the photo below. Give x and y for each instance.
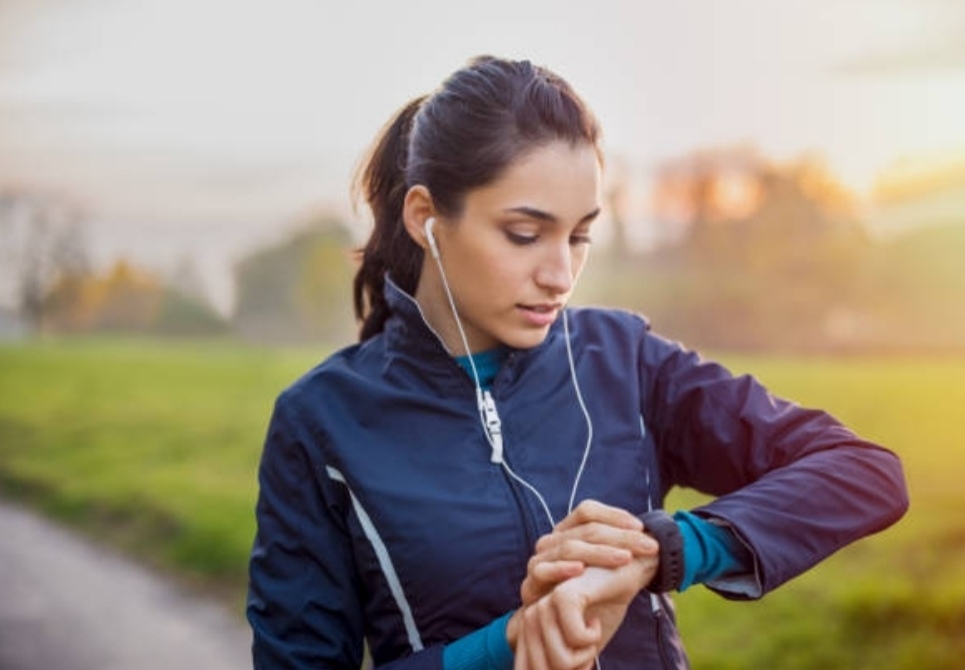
(155, 446)
(914, 285)
(43, 253)
(183, 316)
(782, 263)
(298, 290)
(125, 299)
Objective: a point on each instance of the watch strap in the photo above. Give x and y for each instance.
(670, 571)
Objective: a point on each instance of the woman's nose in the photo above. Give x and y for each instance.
(555, 273)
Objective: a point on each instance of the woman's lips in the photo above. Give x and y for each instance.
(539, 315)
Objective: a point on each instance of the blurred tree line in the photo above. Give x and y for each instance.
(297, 290)
(751, 255)
(57, 290)
(777, 257)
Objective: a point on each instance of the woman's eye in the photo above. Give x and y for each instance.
(580, 239)
(520, 238)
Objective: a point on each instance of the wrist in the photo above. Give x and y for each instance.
(512, 629)
(641, 569)
(485, 648)
(670, 569)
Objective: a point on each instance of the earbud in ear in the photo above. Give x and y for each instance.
(430, 222)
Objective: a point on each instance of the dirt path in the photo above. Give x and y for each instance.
(67, 604)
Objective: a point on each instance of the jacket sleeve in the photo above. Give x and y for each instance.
(303, 596)
(794, 484)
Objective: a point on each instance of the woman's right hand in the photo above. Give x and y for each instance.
(592, 535)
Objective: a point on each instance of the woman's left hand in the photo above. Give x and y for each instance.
(567, 628)
(593, 534)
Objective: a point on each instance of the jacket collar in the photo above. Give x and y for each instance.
(409, 334)
(407, 328)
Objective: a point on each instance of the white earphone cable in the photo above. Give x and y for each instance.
(489, 418)
(455, 314)
(485, 406)
(586, 413)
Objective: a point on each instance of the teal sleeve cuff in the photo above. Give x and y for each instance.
(710, 551)
(484, 649)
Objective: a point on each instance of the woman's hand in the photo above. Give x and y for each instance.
(567, 628)
(564, 633)
(593, 534)
(542, 647)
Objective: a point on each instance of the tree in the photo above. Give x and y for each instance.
(185, 307)
(125, 299)
(130, 299)
(299, 289)
(44, 243)
(186, 315)
(761, 255)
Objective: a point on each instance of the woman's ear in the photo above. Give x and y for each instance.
(416, 210)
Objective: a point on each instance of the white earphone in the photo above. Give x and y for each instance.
(430, 222)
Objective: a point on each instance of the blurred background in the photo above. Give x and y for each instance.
(162, 164)
(785, 188)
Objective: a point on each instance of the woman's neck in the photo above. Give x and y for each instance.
(438, 313)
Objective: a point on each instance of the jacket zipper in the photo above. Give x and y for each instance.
(495, 438)
(497, 455)
(525, 513)
(526, 518)
(655, 608)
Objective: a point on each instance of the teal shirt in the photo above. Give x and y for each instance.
(487, 365)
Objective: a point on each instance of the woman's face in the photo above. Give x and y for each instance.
(514, 254)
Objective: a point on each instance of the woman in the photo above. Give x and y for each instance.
(479, 481)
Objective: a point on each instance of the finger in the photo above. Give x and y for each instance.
(544, 576)
(554, 647)
(594, 532)
(574, 658)
(583, 658)
(521, 654)
(649, 568)
(534, 647)
(591, 553)
(574, 543)
(571, 615)
(559, 653)
(557, 571)
(596, 627)
(592, 510)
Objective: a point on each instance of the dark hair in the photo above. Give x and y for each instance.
(483, 118)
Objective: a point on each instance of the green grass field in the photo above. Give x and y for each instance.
(153, 447)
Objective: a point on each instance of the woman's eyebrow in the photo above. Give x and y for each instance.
(540, 215)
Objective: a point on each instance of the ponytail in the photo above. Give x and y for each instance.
(381, 183)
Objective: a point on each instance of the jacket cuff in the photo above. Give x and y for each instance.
(483, 649)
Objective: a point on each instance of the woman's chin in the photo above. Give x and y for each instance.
(531, 337)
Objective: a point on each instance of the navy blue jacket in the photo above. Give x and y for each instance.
(382, 518)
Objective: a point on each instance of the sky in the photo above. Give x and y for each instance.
(199, 128)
